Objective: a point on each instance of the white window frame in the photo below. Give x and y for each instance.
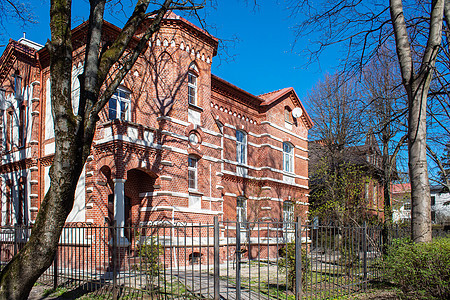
(193, 169)
(119, 99)
(288, 118)
(241, 209)
(241, 147)
(17, 86)
(288, 157)
(288, 215)
(192, 88)
(374, 195)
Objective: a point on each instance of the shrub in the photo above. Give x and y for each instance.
(149, 253)
(287, 261)
(420, 270)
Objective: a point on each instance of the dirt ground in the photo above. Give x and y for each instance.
(379, 294)
(382, 293)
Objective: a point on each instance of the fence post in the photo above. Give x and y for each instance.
(238, 260)
(365, 254)
(16, 229)
(298, 259)
(216, 259)
(55, 270)
(114, 259)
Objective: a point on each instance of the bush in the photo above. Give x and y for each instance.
(420, 270)
(149, 253)
(287, 261)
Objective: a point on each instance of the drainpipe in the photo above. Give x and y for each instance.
(172, 235)
(210, 188)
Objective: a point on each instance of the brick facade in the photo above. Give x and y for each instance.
(146, 147)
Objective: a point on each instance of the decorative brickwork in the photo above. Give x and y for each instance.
(139, 160)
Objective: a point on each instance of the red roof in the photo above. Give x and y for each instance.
(275, 95)
(401, 188)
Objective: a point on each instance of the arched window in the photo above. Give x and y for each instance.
(288, 157)
(192, 85)
(119, 105)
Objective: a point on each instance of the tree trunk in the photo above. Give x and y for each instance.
(19, 276)
(417, 86)
(418, 170)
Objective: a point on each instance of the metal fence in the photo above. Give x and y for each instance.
(221, 260)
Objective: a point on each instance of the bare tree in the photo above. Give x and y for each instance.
(335, 104)
(365, 26)
(15, 11)
(336, 182)
(385, 112)
(104, 69)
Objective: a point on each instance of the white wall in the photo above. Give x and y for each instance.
(78, 213)
(49, 126)
(14, 177)
(441, 208)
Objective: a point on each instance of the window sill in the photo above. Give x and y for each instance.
(195, 107)
(195, 192)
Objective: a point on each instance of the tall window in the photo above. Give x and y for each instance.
(21, 125)
(192, 172)
(288, 214)
(17, 86)
(241, 147)
(375, 195)
(288, 157)
(241, 209)
(119, 105)
(9, 204)
(9, 129)
(192, 88)
(21, 218)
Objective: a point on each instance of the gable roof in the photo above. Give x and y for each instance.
(13, 51)
(272, 97)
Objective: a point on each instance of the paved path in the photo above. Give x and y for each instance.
(199, 285)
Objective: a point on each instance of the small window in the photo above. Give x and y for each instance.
(407, 206)
(9, 204)
(241, 209)
(433, 200)
(241, 147)
(192, 88)
(366, 192)
(375, 195)
(288, 157)
(288, 115)
(17, 86)
(192, 172)
(119, 105)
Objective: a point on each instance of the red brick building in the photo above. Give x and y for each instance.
(175, 143)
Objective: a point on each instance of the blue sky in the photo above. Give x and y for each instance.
(260, 61)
